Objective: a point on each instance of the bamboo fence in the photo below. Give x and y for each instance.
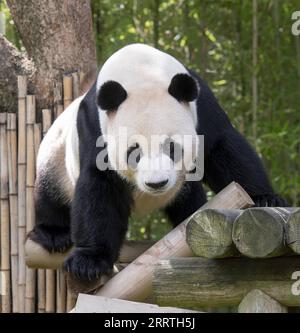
(24, 289)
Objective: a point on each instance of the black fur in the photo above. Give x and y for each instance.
(52, 229)
(101, 205)
(183, 87)
(228, 156)
(111, 95)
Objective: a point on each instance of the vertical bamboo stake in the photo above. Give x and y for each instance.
(61, 292)
(76, 80)
(41, 273)
(22, 92)
(13, 204)
(4, 218)
(50, 274)
(68, 87)
(30, 210)
(50, 291)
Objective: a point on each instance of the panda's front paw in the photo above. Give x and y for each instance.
(86, 266)
(269, 200)
(53, 239)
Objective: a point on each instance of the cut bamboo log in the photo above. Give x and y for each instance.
(30, 210)
(257, 301)
(13, 205)
(293, 230)
(140, 272)
(259, 232)
(98, 304)
(38, 257)
(68, 90)
(22, 92)
(197, 282)
(50, 291)
(4, 217)
(209, 233)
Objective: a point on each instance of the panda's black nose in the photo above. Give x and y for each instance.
(157, 186)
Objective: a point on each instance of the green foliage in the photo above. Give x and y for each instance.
(215, 38)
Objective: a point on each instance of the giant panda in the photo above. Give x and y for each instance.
(147, 92)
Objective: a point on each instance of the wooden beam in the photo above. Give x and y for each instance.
(196, 282)
(257, 301)
(98, 304)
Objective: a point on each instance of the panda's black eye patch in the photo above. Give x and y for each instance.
(173, 150)
(111, 95)
(183, 87)
(133, 155)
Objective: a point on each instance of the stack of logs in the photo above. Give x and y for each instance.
(228, 242)
(23, 289)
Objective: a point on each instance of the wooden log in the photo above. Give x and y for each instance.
(197, 282)
(209, 233)
(140, 271)
(98, 304)
(13, 205)
(22, 92)
(30, 210)
(38, 257)
(68, 90)
(293, 230)
(257, 301)
(259, 232)
(4, 217)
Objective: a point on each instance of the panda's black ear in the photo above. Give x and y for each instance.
(111, 95)
(183, 87)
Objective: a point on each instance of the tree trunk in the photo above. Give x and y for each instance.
(12, 63)
(58, 37)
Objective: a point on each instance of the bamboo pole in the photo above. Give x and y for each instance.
(13, 204)
(4, 218)
(41, 273)
(68, 90)
(76, 83)
(30, 210)
(50, 274)
(50, 291)
(209, 233)
(140, 271)
(61, 292)
(22, 92)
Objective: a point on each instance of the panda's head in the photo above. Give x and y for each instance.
(149, 127)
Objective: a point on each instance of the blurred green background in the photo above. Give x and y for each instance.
(218, 39)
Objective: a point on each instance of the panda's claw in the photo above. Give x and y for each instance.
(85, 266)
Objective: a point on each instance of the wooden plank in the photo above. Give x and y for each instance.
(97, 304)
(257, 301)
(196, 282)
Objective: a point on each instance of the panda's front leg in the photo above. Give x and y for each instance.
(99, 220)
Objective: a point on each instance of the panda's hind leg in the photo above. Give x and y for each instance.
(52, 229)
